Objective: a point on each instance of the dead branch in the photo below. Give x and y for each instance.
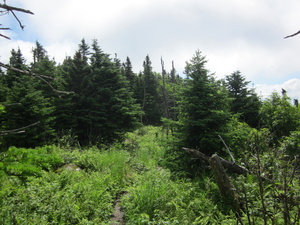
(23, 71)
(228, 150)
(20, 24)
(4, 28)
(227, 189)
(12, 8)
(12, 104)
(292, 35)
(1, 35)
(18, 130)
(233, 167)
(197, 153)
(39, 76)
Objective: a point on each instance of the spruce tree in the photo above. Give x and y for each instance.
(26, 105)
(151, 102)
(203, 107)
(102, 108)
(245, 101)
(114, 107)
(129, 74)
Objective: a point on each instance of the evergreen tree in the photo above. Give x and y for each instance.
(102, 108)
(39, 53)
(114, 108)
(203, 108)
(26, 105)
(245, 101)
(151, 103)
(129, 74)
(17, 60)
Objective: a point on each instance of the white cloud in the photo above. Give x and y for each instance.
(292, 87)
(7, 46)
(245, 35)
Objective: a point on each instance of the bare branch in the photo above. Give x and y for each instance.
(17, 103)
(227, 164)
(1, 35)
(12, 8)
(292, 35)
(57, 91)
(23, 71)
(18, 130)
(228, 150)
(39, 76)
(20, 24)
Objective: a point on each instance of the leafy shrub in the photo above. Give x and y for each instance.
(27, 162)
(156, 199)
(65, 198)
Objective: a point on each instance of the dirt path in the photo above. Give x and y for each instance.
(118, 214)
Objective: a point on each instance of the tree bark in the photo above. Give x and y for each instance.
(227, 190)
(233, 167)
(12, 8)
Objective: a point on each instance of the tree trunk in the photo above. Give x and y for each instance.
(227, 190)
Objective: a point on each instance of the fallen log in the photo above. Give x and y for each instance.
(228, 191)
(232, 166)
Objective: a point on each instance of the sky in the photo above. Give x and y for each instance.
(244, 35)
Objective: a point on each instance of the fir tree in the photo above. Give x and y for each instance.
(129, 74)
(25, 105)
(151, 103)
(102, 108)
(245, 101)
(203, 108)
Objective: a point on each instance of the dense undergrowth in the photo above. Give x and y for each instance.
(37, 189)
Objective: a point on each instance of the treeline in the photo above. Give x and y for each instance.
(92, 98)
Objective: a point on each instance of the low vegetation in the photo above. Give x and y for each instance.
(36, 188)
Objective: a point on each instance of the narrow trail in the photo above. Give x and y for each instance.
(118, 214)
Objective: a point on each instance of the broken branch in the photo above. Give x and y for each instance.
(11, 8)
(18, 130)
(39, 76)
(292, 35)
(227, 164)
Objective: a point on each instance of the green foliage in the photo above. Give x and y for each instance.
(64, 197)
(150, 100)
(279, 116)
(148, 164)
(245, 101)
(151, 193)
(203, 109)
(291, 144)
(156, 199)
(147, 146)
(29, 162)
(102, 108)
(269, 195)
(26, 105)
(237, 137)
